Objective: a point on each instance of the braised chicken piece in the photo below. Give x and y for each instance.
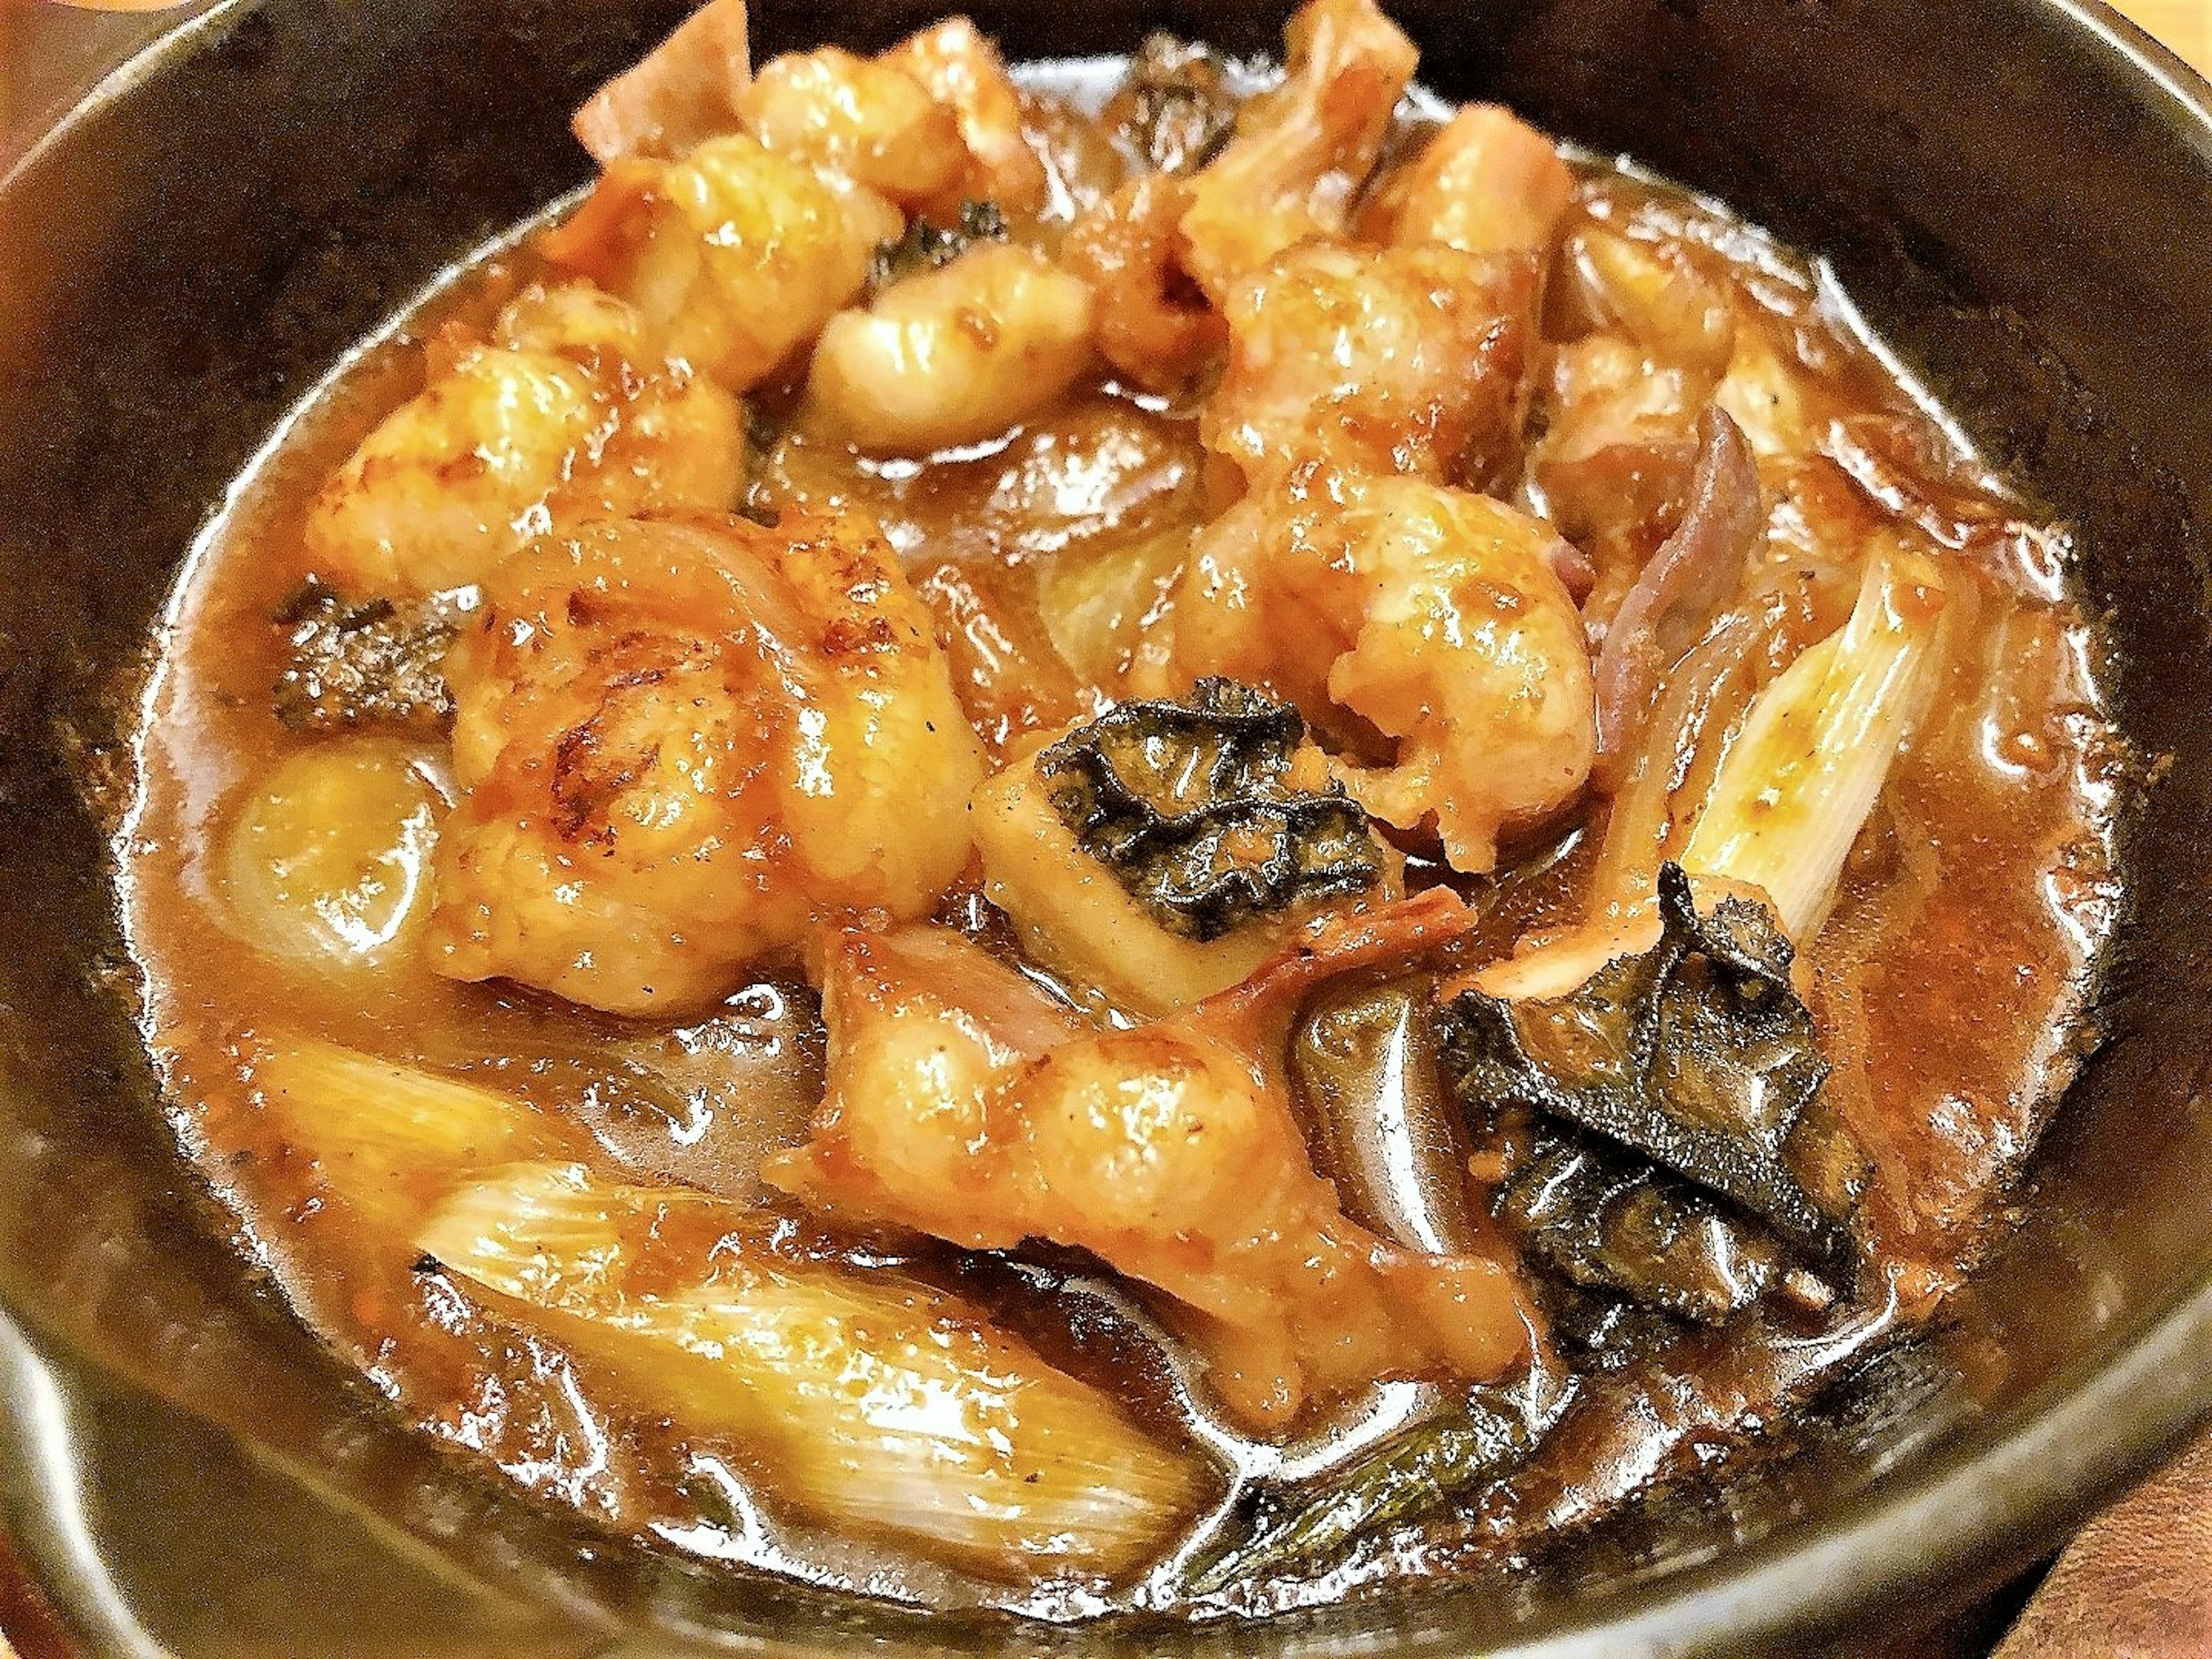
(564, 412)
(1301, 152)
(954, 355)
(1383, 360)
(964, 1105)
(1487, 183)
(1433, 617)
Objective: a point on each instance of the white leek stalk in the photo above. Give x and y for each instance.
(868, 1402)
(1803, 775)
(1795, 787)
(390, 1138)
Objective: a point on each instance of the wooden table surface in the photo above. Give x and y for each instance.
(2185, 25)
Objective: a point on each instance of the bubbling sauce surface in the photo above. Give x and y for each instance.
(1946, 984)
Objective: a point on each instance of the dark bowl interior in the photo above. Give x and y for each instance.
(2018, 194)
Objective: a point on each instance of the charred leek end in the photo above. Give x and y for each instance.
(871, 1403)
(390, 1138)
(554, 1231)
(1804, 773)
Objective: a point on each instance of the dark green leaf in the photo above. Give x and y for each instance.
(1181, 109)
(1697, 1055)
(1418, 1473)
(1188, 805)
(1602, 1216)
(926, 247)
(378, 662)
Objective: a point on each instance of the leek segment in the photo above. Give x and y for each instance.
(1803, 773)
(1796, 783)
(389, 1137)
(874, 1404)
(327, 863)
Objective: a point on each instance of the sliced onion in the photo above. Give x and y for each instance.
(1675, 601)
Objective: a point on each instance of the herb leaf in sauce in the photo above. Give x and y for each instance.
(1179, 108)
(1696, 1054)
(1415, 1474)
(377, 662)
(1192, 805)
(929, 247)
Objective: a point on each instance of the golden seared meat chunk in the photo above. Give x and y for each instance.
(567, 410)
(1301, 154)
(1386, 359)
(1436, 619)
(954, 355)
(964, 1104)
(736, 254)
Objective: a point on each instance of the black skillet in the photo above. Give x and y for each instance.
(2017, 192)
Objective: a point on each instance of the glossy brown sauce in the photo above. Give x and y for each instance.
(1948, 988)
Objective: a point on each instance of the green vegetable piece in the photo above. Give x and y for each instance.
(1604, 1217)
(1180, 108)
(1188, 804)
(1417, 1472)
(374, 663)
(1697, 1054)
(929, 247)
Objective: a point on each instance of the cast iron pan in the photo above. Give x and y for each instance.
(2017, 192)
